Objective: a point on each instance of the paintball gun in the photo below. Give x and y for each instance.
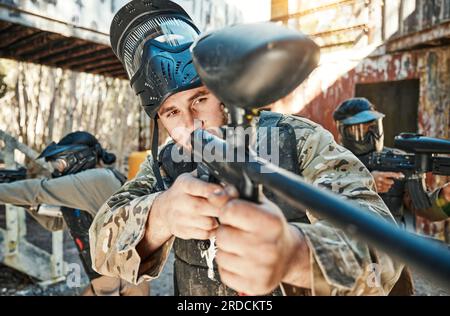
(421, 157)
(8, 176)
(251, 66)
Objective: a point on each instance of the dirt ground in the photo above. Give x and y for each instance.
(13, 282)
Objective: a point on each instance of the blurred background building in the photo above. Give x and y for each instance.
(396, 53)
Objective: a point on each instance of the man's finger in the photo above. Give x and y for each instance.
(195, 233)
(197, 187)
(394, 175)
(232, 262)
(245, 215)
(388, 182)
(201, 206)
(219, 199)
(230, 239)
(202, 222)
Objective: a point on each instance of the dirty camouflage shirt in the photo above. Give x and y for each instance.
(340, 265)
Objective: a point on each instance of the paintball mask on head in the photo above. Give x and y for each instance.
(74, 153)
(152, 39)
(71, 159)
(360, 126)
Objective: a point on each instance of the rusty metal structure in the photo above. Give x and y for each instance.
(68, 34)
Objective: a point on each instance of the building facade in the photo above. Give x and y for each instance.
(394, 52)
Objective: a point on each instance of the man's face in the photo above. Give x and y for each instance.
(181, 110)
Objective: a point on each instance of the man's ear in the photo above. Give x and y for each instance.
(224, 113)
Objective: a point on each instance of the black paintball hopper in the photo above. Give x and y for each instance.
(253, 65)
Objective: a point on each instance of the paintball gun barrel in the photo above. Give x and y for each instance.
(421, 157)
(8, 176)
(425, 150)
(250, 66)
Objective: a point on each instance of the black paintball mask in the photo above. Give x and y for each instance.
(74, 153)
(360, 126)
(153, 43)
(152, 39)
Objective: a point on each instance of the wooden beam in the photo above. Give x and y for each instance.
(5, 26)
(88, 58)
(95, 65)
(106, 69)
(119, 73)
(14, 35)
(32, 43)
(45, 54)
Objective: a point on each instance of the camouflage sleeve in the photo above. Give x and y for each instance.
(341, 265)
(119, 227)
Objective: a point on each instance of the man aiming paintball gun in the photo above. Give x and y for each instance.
(262, 247)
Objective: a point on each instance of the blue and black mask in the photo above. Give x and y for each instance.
(153, 43)
(75, 152)
(152, 39)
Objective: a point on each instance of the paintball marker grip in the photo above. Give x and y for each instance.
(416, 188)
(219, 170)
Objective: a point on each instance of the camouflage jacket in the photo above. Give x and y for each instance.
(340, 265)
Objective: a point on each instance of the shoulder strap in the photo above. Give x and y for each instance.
(122, 179)
(269, 119)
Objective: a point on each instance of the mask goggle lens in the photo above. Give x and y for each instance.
(359, 132)
(169, 30)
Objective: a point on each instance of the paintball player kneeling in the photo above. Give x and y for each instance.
(261, 248)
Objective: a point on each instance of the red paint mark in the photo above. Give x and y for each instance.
(79, 243)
